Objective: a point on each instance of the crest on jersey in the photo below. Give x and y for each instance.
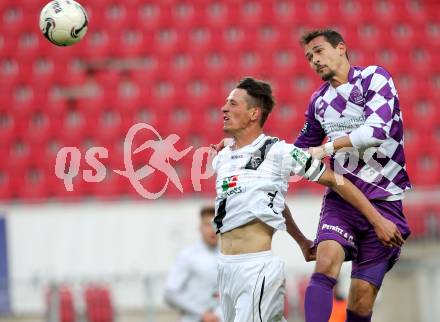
(356, 96)
(229, 187)
(229, 182)
(258, 156)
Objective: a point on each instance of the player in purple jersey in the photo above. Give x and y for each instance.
(357, 109)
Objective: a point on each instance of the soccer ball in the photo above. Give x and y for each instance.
(63, 22)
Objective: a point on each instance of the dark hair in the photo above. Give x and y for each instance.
(260, 93)
(208, 210)
(332, 36)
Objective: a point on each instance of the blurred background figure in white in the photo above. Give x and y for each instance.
(191, 286)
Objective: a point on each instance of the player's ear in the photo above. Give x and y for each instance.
(255, 113)
(342, 48)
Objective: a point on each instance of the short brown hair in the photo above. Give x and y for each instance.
(261, 95)
(208, 210)
(332, 36)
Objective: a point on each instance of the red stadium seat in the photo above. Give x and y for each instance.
(414, 216)
(423, 220)
(108, 125)
(221, 14)
(7, 125)
(418, 12)
(98, 43)
(63, 303)
(31, 43)
(31, 184)
(151, 15)
(425, 169)
(186, 14)
(72, 128)
(32, 5)
(19, 153)
(6, 181)
(168, 41)
(421, 112)
(99, 307)
(429, 35)
(10, 73)
(114, 16)
(252, 14)
(15, 18)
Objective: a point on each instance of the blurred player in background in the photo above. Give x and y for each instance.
(357, 108)
(191, 286)
(252, 180)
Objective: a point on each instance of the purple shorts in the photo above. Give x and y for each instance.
(343, 223)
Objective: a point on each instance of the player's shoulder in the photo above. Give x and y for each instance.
(298, 154)
(319, 92)
(223, 152)
(271, 145)
(374, 70)
(283, 146)
(270, 140)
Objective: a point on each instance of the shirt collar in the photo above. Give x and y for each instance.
(254, 142)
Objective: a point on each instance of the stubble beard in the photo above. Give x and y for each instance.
(328, 76)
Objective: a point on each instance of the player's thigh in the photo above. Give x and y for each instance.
(339, 223)
(361, 296)
(225, 282)
(269, 299)
(374, 259)
(271, 308)
(227, 307)
(264, 301)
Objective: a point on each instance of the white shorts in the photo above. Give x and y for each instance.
(251, 287)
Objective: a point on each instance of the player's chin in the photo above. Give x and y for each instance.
(327, 76)
(227, 128)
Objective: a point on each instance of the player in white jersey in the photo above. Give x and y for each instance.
(252, 179)
(191, 286)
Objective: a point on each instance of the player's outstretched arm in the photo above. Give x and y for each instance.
(386, 230)
(306, 245)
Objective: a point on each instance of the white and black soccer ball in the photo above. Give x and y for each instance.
(63, 22)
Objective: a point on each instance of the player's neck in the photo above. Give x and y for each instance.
(245, 138)
(341, 76)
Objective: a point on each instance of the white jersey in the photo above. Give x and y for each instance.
(252, 181)
(192, 286)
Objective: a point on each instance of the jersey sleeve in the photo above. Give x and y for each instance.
(312, 133)
(296, 161)
(215, 163)
(175, 286)
(380, 94)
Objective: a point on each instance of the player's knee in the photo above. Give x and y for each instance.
(361, 308)
(328, 265)
(361, 298)
(329, 258)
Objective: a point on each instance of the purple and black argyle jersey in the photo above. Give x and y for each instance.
(367, 109)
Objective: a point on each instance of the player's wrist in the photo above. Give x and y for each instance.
(304, 243)
(329, 148)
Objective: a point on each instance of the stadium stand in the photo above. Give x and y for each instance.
(171, 64)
